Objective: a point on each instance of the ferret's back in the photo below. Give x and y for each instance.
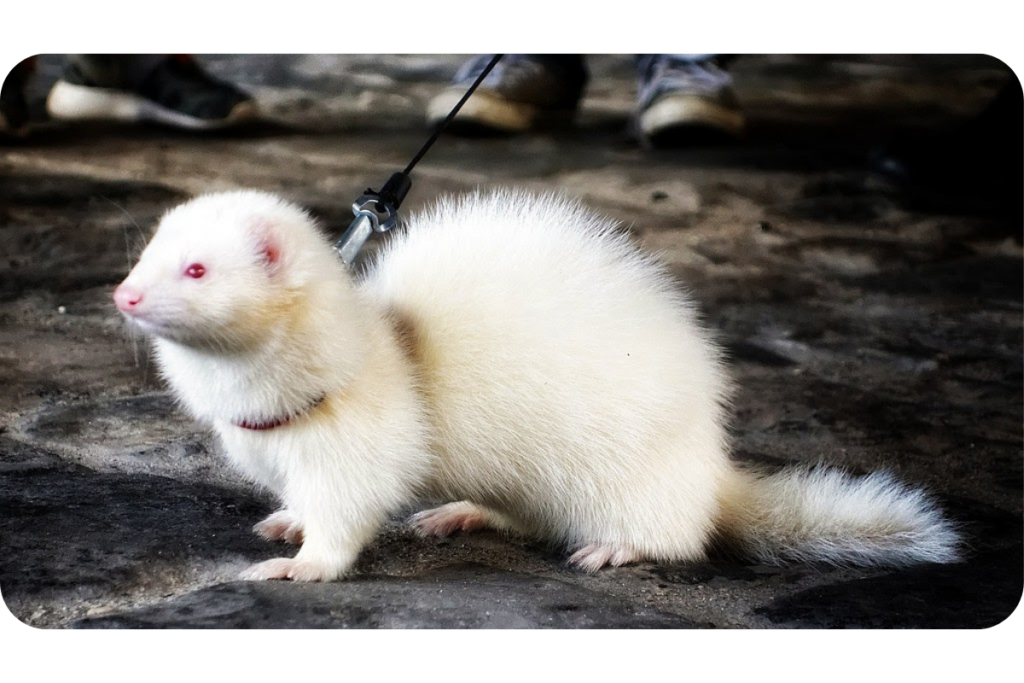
(541, 289)
(515, 257)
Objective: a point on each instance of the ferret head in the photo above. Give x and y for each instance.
(222, 271)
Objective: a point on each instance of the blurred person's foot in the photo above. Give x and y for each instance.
(523, 92)
(177, 93)
(684, 102)
(13, 106)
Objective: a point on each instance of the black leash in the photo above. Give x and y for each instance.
(378, 211)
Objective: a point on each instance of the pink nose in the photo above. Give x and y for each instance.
(127, 298)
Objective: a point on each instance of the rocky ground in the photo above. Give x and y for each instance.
(867, 328)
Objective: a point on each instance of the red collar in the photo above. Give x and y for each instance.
(260, 425)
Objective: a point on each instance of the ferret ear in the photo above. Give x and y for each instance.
(270, 251)
(268, 246)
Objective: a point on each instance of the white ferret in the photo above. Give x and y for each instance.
(511, 355)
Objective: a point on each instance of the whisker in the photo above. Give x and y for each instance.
(133, 332)
(127, 241)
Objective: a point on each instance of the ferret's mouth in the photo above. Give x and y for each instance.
(147, 325)
(155, 327)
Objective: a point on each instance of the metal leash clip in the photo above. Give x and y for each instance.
(367, 222)
(374, 212)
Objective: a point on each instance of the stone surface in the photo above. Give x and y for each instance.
(863, 331)
(459, 596)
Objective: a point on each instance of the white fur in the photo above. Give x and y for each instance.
(510, 353)
(252, 340)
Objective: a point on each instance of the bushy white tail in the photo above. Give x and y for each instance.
(825, 515)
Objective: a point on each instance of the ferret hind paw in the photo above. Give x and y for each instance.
(281, 526)
(592, 557)
(447, 519)
(292, 569)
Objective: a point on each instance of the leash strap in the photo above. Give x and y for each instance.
(378, 211)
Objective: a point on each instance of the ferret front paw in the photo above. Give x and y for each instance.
(281, 526)
(447, 519)
(590, 558)
(292, 569)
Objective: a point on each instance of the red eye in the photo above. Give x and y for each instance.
(196, 270)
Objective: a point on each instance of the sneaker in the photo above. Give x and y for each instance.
(521, 93)
(176, 93)
(13, 106)
(683, 102)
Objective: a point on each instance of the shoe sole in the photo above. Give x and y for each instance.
(488, 111)
(71, 102)
(677, 113)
